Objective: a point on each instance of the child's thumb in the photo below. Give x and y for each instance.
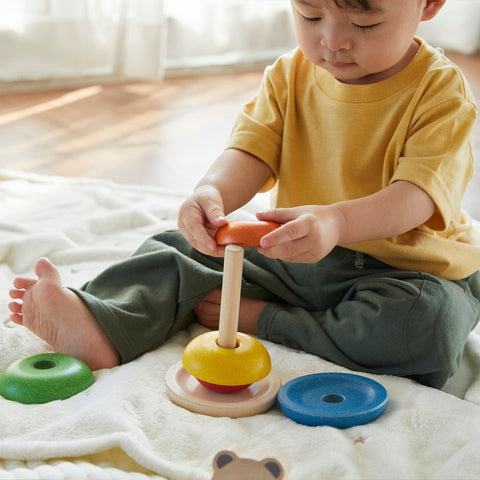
(216, 215)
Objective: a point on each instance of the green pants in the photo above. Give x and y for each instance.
(348, 308)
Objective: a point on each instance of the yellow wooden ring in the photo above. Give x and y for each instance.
(249, 362)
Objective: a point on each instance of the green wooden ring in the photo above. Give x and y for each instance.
(44, 378)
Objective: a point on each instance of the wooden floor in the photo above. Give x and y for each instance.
(163, 134)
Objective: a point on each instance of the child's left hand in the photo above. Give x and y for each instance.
(307, 235)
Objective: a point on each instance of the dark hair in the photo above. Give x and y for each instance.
(363, 4)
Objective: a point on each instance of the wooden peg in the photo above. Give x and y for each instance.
(231, 293)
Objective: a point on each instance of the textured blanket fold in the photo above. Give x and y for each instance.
(84, 225)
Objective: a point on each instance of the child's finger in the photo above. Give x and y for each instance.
(278, 215)
(215, 216)
(199, 238)
(211, 204)
(291, 251)
(290, 231)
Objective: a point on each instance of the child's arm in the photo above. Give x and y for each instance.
(310, 232)
(233, 179)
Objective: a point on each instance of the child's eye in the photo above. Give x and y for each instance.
(311, 19)
(366, 28)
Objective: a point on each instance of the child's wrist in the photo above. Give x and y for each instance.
(339, 225)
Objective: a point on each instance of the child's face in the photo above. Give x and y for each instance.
(355, 45)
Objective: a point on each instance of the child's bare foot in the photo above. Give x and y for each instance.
(60, 318)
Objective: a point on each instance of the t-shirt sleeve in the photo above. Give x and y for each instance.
(258, 128)
(437, 156)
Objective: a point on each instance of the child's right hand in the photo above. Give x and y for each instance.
(200, 216)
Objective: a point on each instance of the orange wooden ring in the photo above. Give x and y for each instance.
(246, 233)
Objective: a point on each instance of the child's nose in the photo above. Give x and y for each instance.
(334, 39)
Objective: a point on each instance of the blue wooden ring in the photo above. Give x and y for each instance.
(340, 400)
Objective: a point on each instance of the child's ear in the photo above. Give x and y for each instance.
(431, 8)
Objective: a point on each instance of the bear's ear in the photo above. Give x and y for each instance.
(274, 467)
(223, 458)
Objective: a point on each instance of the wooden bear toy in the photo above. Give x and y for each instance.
(228, 466)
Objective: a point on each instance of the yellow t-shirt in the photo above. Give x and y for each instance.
(327, 141)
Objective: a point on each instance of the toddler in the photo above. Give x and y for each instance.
(363, 133)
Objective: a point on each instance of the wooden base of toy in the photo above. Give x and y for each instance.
(185, 390)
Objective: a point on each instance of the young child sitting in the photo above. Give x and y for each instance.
(364, 133)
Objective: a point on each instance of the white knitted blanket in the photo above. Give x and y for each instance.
(124, 426)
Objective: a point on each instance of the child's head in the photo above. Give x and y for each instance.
(360, 41)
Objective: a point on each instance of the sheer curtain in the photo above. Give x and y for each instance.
(64, 41)
(219, 33)
(60, 40)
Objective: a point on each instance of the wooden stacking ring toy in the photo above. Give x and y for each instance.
(340, 400)
(44, 378)
(227, 362)
(226, 370)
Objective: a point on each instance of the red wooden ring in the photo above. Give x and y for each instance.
(223, 388)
